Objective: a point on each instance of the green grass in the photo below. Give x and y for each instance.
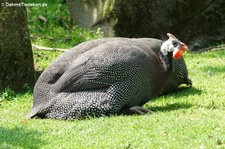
(191, 118)
(54, 33)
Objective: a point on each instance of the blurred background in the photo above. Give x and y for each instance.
(198, 23)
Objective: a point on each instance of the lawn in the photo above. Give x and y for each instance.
(55, 30)
(191, 118)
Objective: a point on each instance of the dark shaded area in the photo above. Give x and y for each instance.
(185, 91)
(38, 73)
(16, 58)
(196, 22)
(20, 137)
(170, 107)
(181, 92)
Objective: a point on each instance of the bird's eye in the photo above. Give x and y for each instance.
(175, 43)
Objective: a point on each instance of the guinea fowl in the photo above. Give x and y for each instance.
(111, 78)
(179, 75)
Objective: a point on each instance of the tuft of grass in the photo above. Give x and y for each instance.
(7, 94)
(191, 118)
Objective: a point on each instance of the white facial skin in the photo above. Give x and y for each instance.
(169, 46)
(173, 45)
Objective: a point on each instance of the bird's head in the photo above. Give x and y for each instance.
(173, 45)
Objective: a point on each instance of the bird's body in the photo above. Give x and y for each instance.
(102, 77)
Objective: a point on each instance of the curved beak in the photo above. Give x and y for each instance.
(180, 50)
(183, 47)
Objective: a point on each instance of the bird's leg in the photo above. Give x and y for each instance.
(189, 82)
(135, 110)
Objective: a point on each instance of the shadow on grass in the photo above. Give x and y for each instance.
(182, 92)
(19, 137)
(170, 107)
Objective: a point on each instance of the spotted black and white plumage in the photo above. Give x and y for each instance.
(103, 77)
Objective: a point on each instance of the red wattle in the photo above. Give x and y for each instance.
(178, 54)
